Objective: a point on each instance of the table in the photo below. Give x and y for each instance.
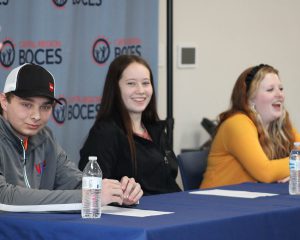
(195, 217)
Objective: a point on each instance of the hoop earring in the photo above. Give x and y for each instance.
(252, 107)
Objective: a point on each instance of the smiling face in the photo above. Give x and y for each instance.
(27, 116)
(269, 98)
(136, 88)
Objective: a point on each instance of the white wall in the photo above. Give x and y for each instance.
(231, 35)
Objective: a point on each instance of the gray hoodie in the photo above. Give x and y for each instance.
(40, 175)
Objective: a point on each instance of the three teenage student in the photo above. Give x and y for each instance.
(251, 144)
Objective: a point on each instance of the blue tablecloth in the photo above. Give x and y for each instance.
(194, 217)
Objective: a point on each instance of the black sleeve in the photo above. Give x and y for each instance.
(101, 142)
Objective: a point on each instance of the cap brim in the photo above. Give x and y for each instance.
(26, 94)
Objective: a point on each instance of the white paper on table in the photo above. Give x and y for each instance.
(131, 212)
(41, 208)
(233, 193)
(76, 207)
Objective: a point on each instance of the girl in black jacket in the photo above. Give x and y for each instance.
(127, 137)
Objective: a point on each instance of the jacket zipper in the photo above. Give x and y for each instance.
(166, 160)
(24, 166)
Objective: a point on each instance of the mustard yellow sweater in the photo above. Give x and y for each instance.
(236, 156)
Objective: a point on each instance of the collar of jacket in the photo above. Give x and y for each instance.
(156, 129)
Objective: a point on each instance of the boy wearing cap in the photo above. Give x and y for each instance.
(34, 169)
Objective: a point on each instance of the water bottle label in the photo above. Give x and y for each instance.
(91, 183)
(294, 164)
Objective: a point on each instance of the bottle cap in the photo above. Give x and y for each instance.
(95, 158)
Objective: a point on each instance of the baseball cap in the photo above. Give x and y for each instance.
(30, 80)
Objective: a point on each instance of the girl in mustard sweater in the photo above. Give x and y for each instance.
(255, 136)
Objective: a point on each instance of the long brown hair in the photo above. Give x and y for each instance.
(112, 105)
(277, 140)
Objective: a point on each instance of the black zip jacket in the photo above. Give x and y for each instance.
(156, 162)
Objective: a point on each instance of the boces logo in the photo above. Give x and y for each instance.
(102, 48)
(39, 52)
(59, 112)
(61, 3)
(7, 53)
(75, 108)
(4, 2)
(131, 46)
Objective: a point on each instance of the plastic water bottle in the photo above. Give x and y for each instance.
(91, 189)
(294, 184)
